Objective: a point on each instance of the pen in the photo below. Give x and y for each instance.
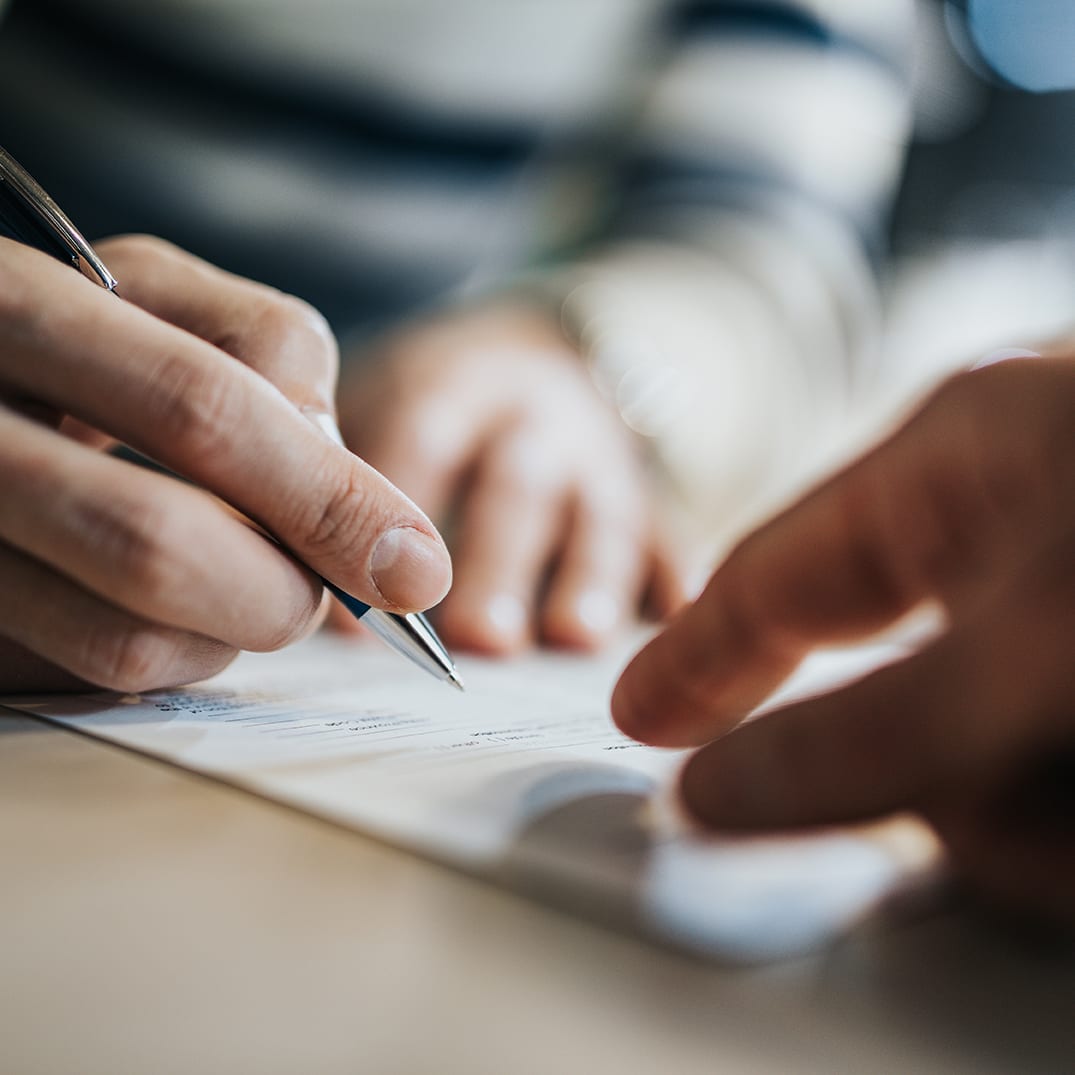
(30, 216)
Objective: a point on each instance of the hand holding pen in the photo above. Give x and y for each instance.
(121, 577)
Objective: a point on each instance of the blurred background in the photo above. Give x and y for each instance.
(983, 233)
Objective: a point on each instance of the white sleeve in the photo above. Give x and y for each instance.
(730, 305)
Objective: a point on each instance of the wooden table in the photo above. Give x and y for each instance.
(152, 921)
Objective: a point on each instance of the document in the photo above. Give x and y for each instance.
(523, 780)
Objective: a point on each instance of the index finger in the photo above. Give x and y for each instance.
(181, 401)
(943, 510)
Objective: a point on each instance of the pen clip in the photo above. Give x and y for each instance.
(35, 219)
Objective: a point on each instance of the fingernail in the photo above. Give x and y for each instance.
(1005, 354)
(506, 614)
(326, 422)
(597, 611)
(411, 570)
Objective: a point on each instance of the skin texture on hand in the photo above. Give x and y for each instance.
(489, 421)
(971, 506)
(128, 579)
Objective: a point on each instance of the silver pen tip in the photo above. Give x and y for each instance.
(455, 681)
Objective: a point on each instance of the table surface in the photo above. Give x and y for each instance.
(153, 921)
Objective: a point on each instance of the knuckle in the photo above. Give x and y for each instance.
(153, 571)
(132, 539)
(618, 507)
(426, 408)
(526, 464)
(197, 407)
(140, 247)
(311, 322)
(428, 433)
(334, 525)
(18, 303)
(293, 326)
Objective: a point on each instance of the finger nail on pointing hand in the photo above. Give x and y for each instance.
(411, 570)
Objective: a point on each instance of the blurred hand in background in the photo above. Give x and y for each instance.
(488, 419)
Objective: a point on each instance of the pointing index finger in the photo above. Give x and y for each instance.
(808, 578)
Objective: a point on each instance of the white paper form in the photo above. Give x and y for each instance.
(523, 779)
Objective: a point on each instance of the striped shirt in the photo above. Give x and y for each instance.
(702, 182)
